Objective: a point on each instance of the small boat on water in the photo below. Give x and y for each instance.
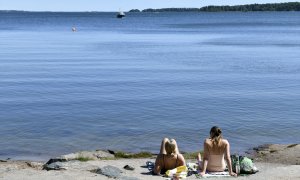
(121, 14)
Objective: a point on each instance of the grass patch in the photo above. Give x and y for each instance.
(134, 155)
(120, 154)
(83, 159)
(191, 155)
(292, 145)
(108, 158)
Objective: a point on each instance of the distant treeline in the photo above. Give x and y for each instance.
(171, 10)
(290, 6)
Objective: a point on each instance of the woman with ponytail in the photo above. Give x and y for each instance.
(216, 151)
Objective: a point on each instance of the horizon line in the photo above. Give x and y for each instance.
(145, 8)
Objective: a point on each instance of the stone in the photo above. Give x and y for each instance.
(103, 154)
(128, 167)
(52, 160)
(69, 157)
(55, 166)
(92, 155)
(109, 171)
(111, 151)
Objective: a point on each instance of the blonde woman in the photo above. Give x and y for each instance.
(216, 151)
(168, 157)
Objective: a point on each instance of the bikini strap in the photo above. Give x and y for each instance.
(176, 161)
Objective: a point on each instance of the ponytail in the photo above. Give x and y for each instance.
(216, 135)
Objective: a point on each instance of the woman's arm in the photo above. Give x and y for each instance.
(158, 165)
(228, 159)
(205, 159)
(181, 160)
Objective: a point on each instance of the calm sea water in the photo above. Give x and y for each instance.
(124, 84)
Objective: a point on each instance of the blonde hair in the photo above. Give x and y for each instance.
(216, 135)
(170, 147)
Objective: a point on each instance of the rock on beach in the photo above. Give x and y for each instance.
(277, 153)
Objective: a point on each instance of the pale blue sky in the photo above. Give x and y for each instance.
(115, 5)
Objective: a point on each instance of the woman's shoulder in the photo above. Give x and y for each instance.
(225, 141)
(207, 141)
(181, 158)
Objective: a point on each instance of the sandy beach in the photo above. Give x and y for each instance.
(273, 162)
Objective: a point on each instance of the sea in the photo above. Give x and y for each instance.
(124, 84)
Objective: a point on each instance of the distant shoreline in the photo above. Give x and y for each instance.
(289, 6)
(269, 7)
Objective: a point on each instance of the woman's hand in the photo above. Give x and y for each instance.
(202, 174)
(233, 174)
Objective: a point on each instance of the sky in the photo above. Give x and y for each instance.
(115, 5)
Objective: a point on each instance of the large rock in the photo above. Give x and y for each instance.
(92, 155)
(109, 171)
(54, 164)
(60, 164)
(278, 153)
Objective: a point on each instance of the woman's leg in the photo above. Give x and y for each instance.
(162, 147)
(199, 157)
(199, 160)
(176, 146)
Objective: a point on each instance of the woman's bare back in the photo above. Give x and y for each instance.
(215, 153)
(216, 149)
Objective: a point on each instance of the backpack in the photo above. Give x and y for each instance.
(246, 165)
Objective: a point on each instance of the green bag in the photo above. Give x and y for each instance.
(246, 164)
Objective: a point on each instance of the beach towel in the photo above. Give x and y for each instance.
(179, 172)
(193, 168)
(214, 175)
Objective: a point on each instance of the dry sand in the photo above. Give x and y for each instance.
(273, 162)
